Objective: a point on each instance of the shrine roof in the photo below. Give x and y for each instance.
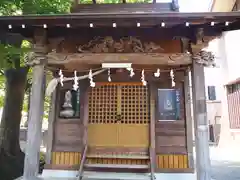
(236, 81)
(212, 21)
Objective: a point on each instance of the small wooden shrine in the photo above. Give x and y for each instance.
(120, 93)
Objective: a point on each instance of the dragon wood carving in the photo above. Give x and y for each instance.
(124, 45)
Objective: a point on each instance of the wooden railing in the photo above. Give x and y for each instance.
(84, 155)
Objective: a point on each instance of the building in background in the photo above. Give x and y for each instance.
(226, 49)
(233, 97)
(222, 5)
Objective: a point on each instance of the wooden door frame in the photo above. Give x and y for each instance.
(151, 125)
(152, 147)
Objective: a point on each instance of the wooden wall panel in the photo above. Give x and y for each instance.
(117, 161)
(171, 146)
(171, 135)
(164, 161)
(171, 141)
(68, 133)
(66, 158)
(172, 161)
(71, 160)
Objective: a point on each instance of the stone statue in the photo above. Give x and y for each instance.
(67, 106)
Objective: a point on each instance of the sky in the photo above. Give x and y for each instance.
(192, 5)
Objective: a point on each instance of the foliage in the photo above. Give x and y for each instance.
(15, 7)
(9, 55)
(14, 57)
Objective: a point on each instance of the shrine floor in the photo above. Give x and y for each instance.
(116, 176)
(225, 165)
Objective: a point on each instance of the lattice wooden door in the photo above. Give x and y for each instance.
(119, 119)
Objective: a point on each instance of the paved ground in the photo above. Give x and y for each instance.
(225, 163)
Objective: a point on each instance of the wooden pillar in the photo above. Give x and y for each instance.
(189, 126)
(51, 118)
(200, 123)
(34, 134)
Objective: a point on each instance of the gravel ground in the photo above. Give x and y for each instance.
(225, 163)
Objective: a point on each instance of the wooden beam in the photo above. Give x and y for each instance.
(51, 119)
(134, 58)
(200, 41)
(203, 166)
(188, 118)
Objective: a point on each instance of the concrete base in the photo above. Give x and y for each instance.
(70, 175)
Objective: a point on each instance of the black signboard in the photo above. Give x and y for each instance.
(169, 104)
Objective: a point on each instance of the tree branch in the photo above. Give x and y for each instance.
(2, 72)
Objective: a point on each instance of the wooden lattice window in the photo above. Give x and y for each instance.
(103, 104)
(126, 104)
(135, 105)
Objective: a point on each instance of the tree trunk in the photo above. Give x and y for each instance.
(10, 124)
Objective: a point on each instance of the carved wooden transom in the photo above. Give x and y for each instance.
(123, 45)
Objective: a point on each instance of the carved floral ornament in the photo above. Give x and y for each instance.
(205, 58)
(128, 44)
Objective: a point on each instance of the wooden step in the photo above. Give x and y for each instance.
(117, 156)
(117, 166)
(114, 175)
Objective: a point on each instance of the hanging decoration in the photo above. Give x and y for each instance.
(90, 76)
(54, 82)
(143, 78)
(109, 75)
(61, 77)
(75, 85)
(172, 77)
(131, 72)
(157, 74)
